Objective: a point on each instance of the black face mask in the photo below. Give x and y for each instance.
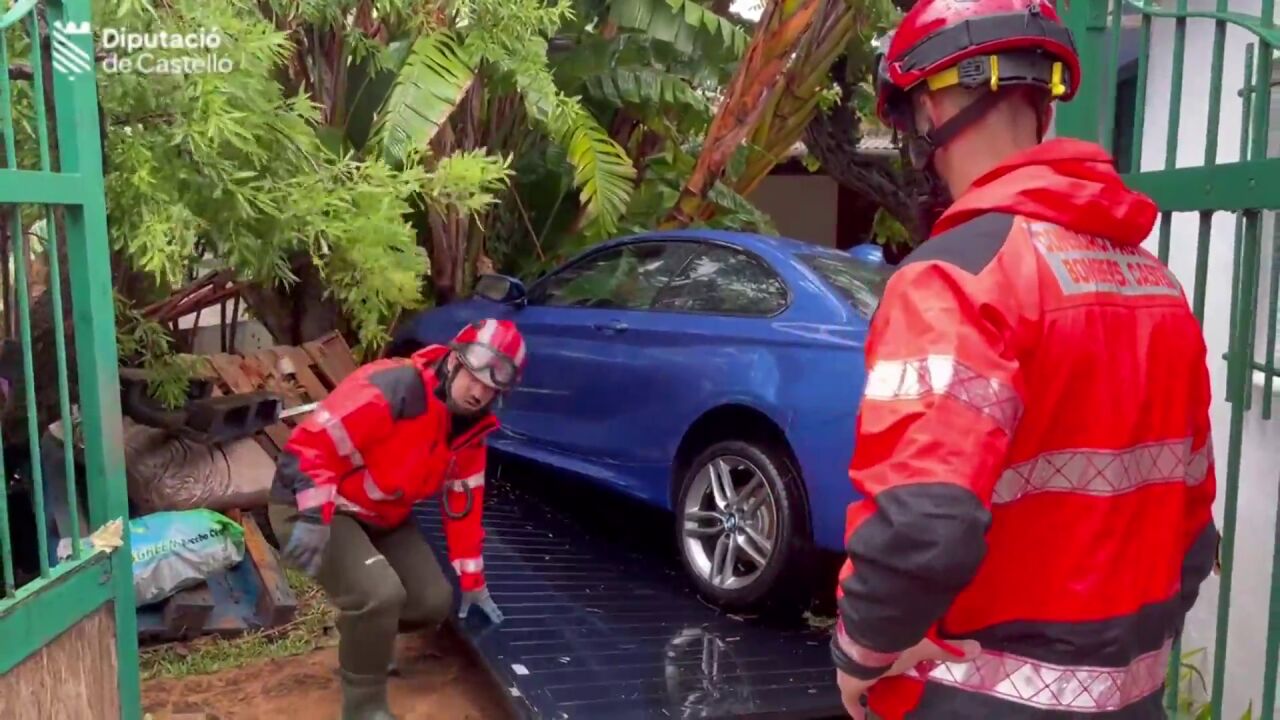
(933, 200)
(930, 193)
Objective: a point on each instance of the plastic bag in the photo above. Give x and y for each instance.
(176, 550)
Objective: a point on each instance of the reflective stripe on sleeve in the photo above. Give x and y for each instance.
(338, 435)
(1080, 689)
(314, 497)
(468, 565)
(467, 483)
(943, 375)
(863, 655)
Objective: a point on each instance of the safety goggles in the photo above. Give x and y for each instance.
(488, 365)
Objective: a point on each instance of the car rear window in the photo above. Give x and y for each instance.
(859, 282)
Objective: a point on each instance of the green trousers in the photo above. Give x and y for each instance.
(382, 582)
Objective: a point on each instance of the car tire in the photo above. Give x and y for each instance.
(714, 532)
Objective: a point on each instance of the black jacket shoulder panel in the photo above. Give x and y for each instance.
(404, 390)
(970, 247)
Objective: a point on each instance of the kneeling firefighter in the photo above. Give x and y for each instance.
(393, 433)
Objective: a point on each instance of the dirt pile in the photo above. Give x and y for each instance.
(437, 682)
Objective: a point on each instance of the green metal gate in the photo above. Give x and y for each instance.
(52, 171)
(1107, 32)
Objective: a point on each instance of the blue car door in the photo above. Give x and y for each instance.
(572, 321)
(705, 337)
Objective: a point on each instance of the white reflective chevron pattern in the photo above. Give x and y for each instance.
(338, 435)
(319, 495)
(374, 492)
(1105, 472)
(943, 375)
(315, 496)
(1054, 687)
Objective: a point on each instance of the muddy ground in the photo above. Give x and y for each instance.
(442, 681)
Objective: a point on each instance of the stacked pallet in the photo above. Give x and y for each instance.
(300, 375)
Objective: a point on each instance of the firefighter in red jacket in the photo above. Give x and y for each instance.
(393, 433)
(1033, 446)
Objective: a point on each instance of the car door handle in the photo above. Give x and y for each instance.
(611, 327)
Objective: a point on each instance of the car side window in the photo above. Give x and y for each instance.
(623, 278)
(724, 281)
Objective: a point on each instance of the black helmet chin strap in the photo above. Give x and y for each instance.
(922, 147)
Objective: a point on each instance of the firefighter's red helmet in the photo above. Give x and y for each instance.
(975, 43)
(493, 350)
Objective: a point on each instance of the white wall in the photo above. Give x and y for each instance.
(802, 206)
(251, 335)
(1260, 466)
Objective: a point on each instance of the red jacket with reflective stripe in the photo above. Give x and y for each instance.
(382, 442)
(1034, 452)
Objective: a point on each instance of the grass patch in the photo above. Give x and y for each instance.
(307, 631)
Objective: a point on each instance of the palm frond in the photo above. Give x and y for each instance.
(435, 77)
(689, 26)
(602, 171)
(650, 88)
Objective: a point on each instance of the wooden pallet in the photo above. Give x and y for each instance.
(300, 375)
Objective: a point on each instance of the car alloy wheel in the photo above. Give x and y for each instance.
(730, 523)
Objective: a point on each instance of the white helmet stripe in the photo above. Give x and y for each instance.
(519, 358)
(487, 328)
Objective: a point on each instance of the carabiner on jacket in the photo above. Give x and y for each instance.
(455, 485)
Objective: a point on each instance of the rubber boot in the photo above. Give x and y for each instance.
(364, 697)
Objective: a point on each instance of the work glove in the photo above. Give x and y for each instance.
(306, 545)
(481, 599)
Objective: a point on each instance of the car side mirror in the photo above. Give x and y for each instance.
(501, 289)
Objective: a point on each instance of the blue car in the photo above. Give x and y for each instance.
(714, 374)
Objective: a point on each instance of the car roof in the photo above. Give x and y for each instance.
(761, 244)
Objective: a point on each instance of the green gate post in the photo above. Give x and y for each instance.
(1082, 117)
(1245, 188)
(79, 142)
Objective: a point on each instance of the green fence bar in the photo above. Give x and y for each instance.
(21, 254)
(55, 288)
(1215, 88)
(6, 546)
(1247, 98)
(1252, 318)
(1174, 123)
(88, 260)
(1257, 124)
(1271, 665)
(1113, 73)
(1166, 228)
(1202, 265)
(1273, 306)
(64, 391)
(1261, 131)
(1241, 373)
(1140, 95)
(1175, 88)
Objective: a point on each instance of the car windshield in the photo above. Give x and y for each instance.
(860, 283)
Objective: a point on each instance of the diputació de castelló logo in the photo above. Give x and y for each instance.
(148, 53)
